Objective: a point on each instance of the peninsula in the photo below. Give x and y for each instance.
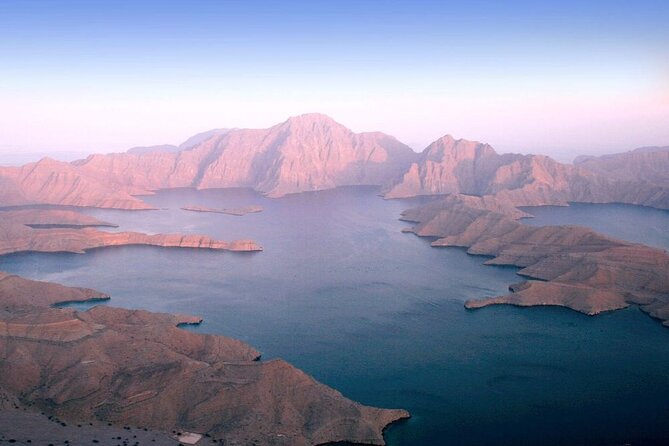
(68, 231)
(136, 368)
(570, 266)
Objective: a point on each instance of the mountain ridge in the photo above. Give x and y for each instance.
(314, 152)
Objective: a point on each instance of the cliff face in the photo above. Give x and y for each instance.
(451, 166)
(135, 367)
(308, 152)
(305, 153)
(54, 182)
(468, 167)
(460, 166)
(648, 163)
(313, 152)
(577, 267)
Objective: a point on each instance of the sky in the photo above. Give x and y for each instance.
(559, 78)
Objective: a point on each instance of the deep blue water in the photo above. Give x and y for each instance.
(341, 293)
(633, 223)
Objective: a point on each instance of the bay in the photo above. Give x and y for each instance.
(340, 292)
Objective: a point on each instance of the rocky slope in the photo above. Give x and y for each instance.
(459, 166)
(238, 212)
(467, 167)
(132, 367)
(55, 182)
(572, 266)
(649, 163)
(66, 231)
(308, 152)
(313, 152)
(305, 153)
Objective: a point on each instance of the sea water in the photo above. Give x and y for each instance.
(340, 292)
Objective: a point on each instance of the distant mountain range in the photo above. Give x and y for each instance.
(191, 142)
(313, 152)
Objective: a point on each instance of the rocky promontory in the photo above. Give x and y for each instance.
(67, 231)
(133, 367)
(569, 266)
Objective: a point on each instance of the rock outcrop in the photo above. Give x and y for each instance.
(133, 367)
(572, 266)
(66, 231)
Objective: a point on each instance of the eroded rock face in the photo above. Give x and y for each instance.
(649, 163)
(450, 166)
(67, 231)
(305, 153)
(136, 367)
(55, 182)
(313, 152)
(578, 268)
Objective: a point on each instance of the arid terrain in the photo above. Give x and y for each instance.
(130, 367)
(136, 368)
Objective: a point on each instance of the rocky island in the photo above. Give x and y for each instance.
(133, 367)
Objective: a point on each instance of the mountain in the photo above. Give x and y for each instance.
(304, 153)
(201, 137)
(186, 145)
(308, 152)
(56, 182)
(164, 148)
(135, 368)
(313, 152)
(648, 163)
(450, 166)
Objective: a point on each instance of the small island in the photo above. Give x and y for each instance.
(239, 212)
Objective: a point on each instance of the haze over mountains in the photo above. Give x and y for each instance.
(313, 152)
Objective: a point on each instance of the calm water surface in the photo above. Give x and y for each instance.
(633, 223)
(341, 293)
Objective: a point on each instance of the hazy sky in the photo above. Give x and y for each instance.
(561, 77)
